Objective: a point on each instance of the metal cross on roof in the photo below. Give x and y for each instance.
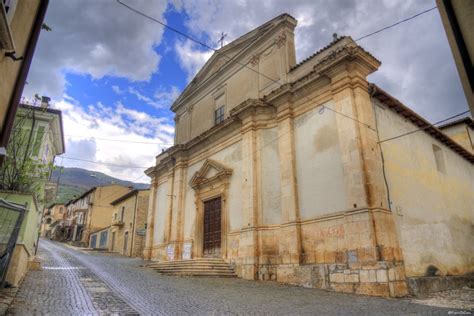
(221, 40)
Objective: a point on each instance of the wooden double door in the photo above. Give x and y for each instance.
(212, 228)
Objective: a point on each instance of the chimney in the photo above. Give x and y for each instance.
(45, 102)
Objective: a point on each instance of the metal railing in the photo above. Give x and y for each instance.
(11, 218)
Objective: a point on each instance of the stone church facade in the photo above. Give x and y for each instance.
(281, 170)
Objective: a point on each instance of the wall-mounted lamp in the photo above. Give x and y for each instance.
(13, 56)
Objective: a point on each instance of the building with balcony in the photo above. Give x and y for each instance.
(127, 232)
(92, 211)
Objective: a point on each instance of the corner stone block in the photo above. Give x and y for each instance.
(337, 277)
(382, 276)
(373, 289)
(398, 289)
(391, 274)
(364, 276)
(343, 287)
(372, 276)
(351, 278)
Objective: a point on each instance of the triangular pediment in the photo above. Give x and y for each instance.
(210, 172)
(232, 54)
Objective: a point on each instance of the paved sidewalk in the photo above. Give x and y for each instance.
(76, 282)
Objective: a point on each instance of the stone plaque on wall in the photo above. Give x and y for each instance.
(187, 248)
(170, 252)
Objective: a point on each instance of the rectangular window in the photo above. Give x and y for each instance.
(123, 211)
(38, 140)
(439, 159)
(219, 115)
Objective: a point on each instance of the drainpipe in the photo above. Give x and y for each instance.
(373, 89)
(134, 224)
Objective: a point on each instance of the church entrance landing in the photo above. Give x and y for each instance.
(212, 228)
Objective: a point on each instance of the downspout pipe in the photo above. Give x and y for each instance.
(21, 79)
(373, 90)
(134, 223)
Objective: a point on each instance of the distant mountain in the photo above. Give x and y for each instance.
(75, 181)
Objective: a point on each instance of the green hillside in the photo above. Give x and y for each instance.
(75, 181)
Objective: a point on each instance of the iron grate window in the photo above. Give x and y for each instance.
(219, 115)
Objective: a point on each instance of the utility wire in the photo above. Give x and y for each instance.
(244, 65)
(104, 163)
(109, 139)
(118, 140)
(423, 128)
(396, 23)
(256, 71)
(349, 117)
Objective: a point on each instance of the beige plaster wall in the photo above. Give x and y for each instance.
(118, 245)
(462, 134)
(230, 157)
(101, 208)
(434, 210)
(270, 57)
(21, 26)
(18, 265)
(161, 213)
(270, 176)
(318, 164)
(202, 117)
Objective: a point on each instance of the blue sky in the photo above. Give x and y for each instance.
(110, 89)
(114, 74)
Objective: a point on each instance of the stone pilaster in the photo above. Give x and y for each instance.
(178, 206)
(290, 231)
(249, 113)
(248, 242)
(147, 252)
(362, 163)
(170, 201)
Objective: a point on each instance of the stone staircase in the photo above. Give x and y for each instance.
(209, 267)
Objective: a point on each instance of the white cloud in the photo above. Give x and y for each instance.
(85, 131)
(143, 98)
(167, 96)
(96, 38)
(162, 98)
(117, 90)
(190, 57)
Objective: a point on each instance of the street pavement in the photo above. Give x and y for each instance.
(74, 282)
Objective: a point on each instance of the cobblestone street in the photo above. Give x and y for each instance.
(77, 282)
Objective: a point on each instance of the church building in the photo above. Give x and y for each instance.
(308, 174)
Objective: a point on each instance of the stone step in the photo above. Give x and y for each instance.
(193, 270)
(199, 273)
(188, 265)
(194, 266)
(211, 267)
